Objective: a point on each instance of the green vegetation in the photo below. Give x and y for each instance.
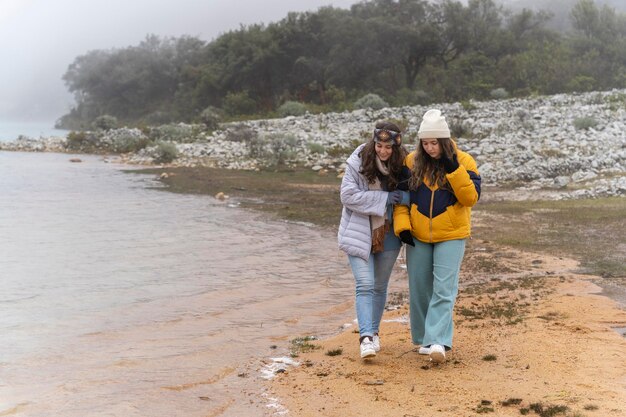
(292, 108)
(511, 401)
(165, 152)
(302, 345)
(548, 411)
(499, 94)
(211, 117)
(295, 194)
(592, 230)
(585, 123)
(105, 122)
(316, 147)
(370, 101)
(484, 407)
(331, 58)
(334, 352)
(490, 358)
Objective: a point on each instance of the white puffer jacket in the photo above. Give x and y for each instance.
(355, 232)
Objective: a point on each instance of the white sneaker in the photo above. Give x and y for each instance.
(376, 342)
(437, 353)
(367, 348)
(424, 350)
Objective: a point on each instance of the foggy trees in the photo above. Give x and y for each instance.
(406, 51)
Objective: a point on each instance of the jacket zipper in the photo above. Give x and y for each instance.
(430, 218)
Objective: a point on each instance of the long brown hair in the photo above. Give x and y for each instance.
(394, 163)
(427, 168)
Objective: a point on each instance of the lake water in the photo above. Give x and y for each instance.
(11, 130)
(122, 300)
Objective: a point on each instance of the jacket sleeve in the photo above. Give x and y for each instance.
(353, 197)
(465, 181)
(401, 213)
(401, 219)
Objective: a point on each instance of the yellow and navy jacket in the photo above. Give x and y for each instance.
(436, 215)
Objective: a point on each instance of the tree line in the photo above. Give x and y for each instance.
(404, 51)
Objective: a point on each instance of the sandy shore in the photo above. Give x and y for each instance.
(532, 337)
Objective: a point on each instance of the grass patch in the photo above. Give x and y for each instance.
(302, 345)
(490, 358)
(511, 401)
(593, 231)
(552, 316)
(298, 194)
(590, 407)
(484, 407)
(334, 352)
(548, 411)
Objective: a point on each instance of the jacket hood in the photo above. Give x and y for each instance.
(354, 160)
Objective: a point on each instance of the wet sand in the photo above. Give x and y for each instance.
(531, 337)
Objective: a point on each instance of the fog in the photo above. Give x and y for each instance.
(40, 38)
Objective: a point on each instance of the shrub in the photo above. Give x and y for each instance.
(339, 151)
(283, 148)
(468, 105)
(157, 118)
(316, 147)
(522, 114)
(292, 108)
(371, 101)
(165, 152)
(403, 123)
(408, 97)
(126, 140)
(499, 93)
(211, 117)
(241, 133)
(422, 97)
(335, 97)
(256, 147)
(105, 122)
(275, 150)
(581, 83)
(238, 103)
(179, 133)
(460, 129)
(75, 140)
(584, 123)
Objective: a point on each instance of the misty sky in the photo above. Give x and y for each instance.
(40, 38)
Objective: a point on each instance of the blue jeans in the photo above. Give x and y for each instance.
(372, 278)
(433, 270)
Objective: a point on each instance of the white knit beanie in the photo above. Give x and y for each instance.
(433, 126)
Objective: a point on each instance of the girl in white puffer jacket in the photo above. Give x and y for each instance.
(374, 181)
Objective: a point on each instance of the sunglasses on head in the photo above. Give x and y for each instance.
(384, 135)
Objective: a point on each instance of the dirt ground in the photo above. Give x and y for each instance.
(531, 338)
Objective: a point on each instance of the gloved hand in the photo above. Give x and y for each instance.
(450, 165)
(394, 197)
(407, 237)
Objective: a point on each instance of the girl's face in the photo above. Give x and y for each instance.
(384, 150)
(432, 148)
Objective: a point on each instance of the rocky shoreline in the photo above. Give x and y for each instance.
(560, 146)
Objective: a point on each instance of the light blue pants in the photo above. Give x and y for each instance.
(372, 278)
(433, 285)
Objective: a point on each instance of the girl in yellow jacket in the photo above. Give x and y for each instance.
(444, 185)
